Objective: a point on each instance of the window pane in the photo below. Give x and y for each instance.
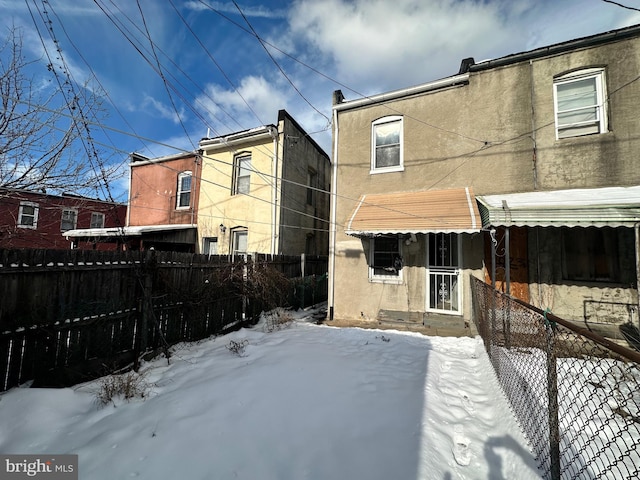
(577, 94)
(97, 220)
(185, 199)
(387, 144)
(386, 255)
(388, 156)
(186, 183)
(388, 134)
(583, 115)
(243, 185)
(243, 175)
(240, 242)
(68, 220)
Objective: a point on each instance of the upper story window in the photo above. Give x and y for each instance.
(69, 219)
(386, 145)
(580, 103)
(28, 215)
(312, 184)
(97, 220)
(184, 190)
(241, 174)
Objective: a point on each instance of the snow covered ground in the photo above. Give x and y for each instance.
(305, 402)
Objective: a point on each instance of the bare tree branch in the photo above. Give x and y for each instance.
(40, 132)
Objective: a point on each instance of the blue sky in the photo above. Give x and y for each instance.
(207, 72)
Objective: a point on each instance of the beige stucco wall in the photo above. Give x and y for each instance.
(218, 206)
(495, 134)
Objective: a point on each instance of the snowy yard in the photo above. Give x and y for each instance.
(306, 402)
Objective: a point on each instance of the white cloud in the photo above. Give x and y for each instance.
(228, 7)
(227, 111)
(163, 110)
(373, 47)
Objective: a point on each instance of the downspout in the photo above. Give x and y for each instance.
(332, 225)
(129, 196)
(274, 193)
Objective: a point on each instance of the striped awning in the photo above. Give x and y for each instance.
(428, 211)
(582, 207)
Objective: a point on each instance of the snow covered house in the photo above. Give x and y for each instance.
(534, 154)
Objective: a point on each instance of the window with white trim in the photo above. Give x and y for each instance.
(386, 145)
(241, 174)
(239, 242)
(69, 219)
(184, 190)
(97, 220)
(210, 245)
(28, 215)
(580, 103)
(385, 260)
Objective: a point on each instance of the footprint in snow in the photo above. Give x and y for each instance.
(461, 451)
(467, 403)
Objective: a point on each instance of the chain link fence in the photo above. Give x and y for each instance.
(575, 394)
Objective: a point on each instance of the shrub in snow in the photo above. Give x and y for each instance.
(237, 348)
(128, 385)
(277, 319)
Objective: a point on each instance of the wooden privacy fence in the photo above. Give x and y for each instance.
(69, 316)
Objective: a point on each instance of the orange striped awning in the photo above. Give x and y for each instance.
(429, 211)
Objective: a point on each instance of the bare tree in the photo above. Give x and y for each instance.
(45, 141)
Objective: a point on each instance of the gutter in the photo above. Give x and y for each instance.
(384, 97)
(221, 143)
(558, 48)
(274, 195)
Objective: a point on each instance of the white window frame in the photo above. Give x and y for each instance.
(180, 192)
(208, 244)
(22, 215)
(95, 223)
(377, 278)
(374, 125)
(234, 241)
(600, 106)
(74, 222)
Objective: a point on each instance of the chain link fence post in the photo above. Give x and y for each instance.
(552, 393)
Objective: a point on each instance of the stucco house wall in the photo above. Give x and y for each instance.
(491, 128)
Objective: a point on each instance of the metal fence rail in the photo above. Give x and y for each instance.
(575, 394)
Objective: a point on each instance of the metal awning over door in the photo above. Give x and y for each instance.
(427, 211)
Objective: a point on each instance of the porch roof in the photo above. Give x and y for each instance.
(427, 211)
(137, 231)
(584, 207)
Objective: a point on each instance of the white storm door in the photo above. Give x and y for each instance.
(443, 273)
